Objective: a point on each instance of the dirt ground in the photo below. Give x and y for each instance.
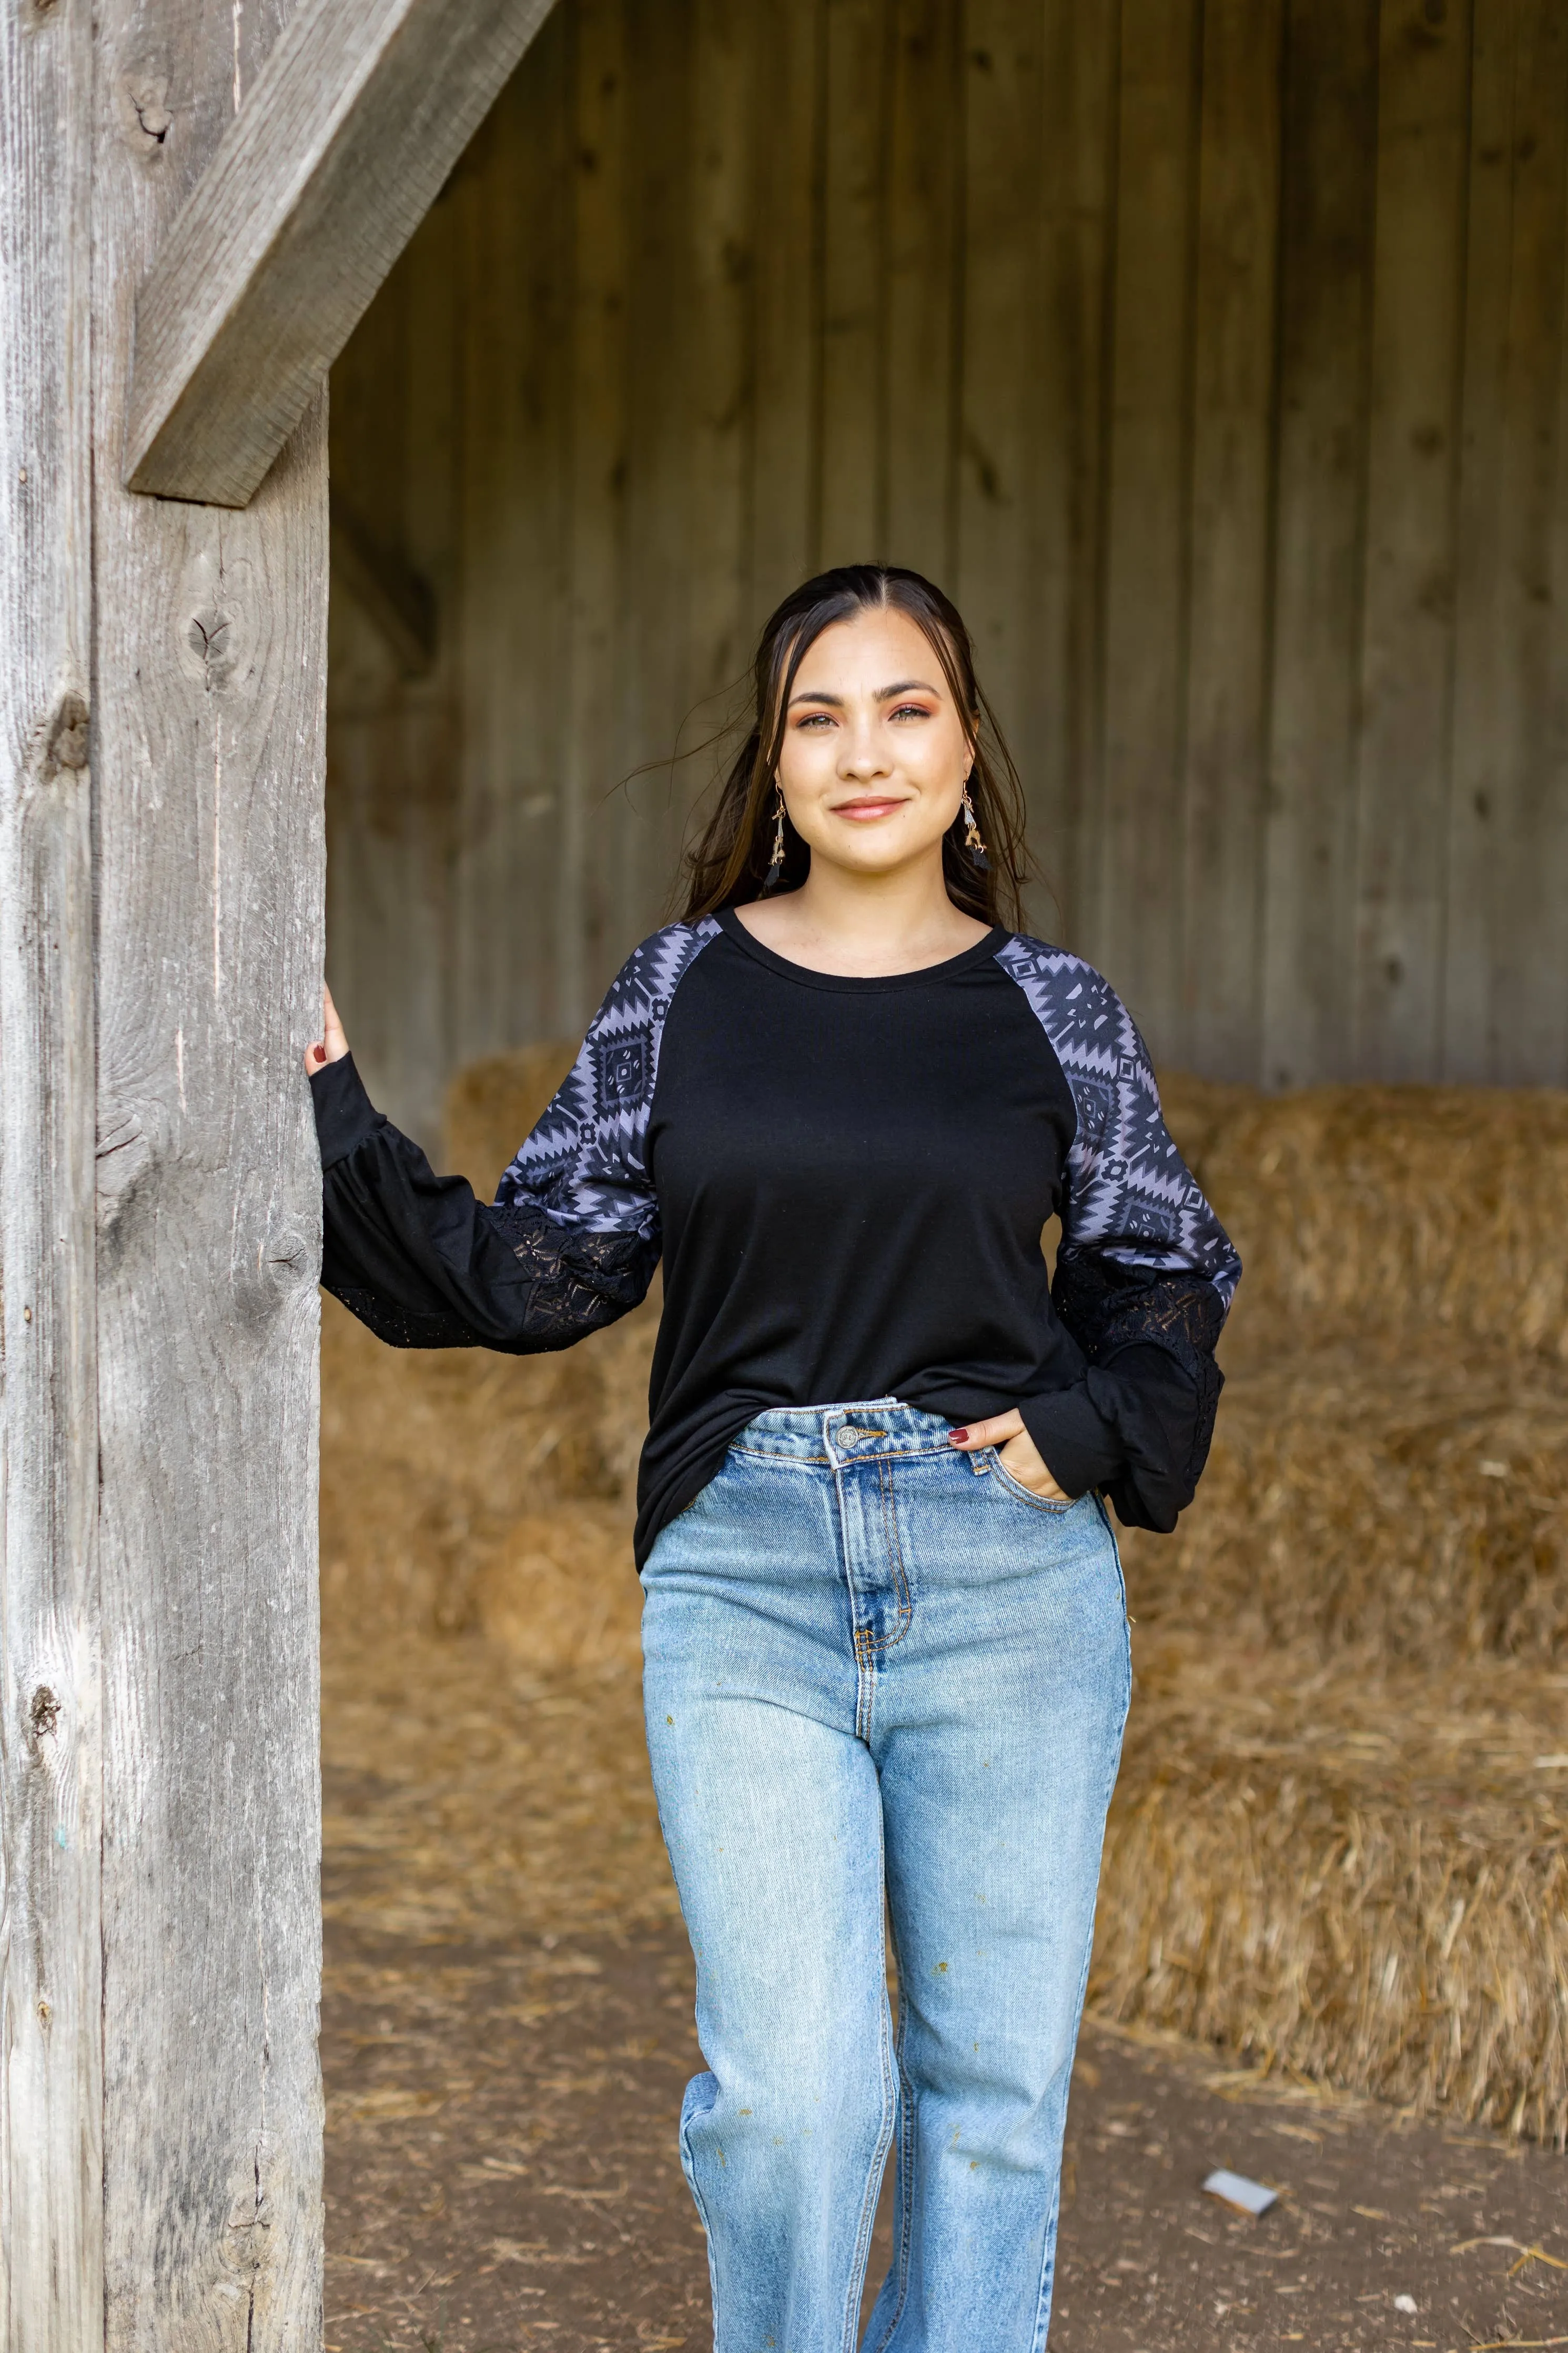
(508, 2029)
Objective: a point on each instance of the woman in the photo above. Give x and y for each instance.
(884, 1628)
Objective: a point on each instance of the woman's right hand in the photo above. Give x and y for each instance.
(333, 1045)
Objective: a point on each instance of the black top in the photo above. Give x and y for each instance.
(847, 1179)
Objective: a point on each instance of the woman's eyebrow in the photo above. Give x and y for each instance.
(884, 693)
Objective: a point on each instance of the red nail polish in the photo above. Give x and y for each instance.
(957, 1437)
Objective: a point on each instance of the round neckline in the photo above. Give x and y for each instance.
(729, 923)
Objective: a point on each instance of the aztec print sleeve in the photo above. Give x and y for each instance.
(1144, 1271)
(573, 1238)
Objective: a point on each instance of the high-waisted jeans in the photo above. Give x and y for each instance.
(874, 1663)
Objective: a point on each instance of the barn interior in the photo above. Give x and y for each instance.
(1211, 354)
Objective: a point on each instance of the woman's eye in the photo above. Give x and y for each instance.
(815, 719)
(912, 711)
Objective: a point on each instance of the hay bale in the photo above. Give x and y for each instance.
(429, 1461)
(559, 1593)
(1333, 1846)
(1387, 1215)
(1198, 1110)
(1415, 1511)
(1357, 1877)
(1391, 1462)
(493, 1104)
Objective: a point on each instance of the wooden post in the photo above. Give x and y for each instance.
(208, 719)
(51, 2257)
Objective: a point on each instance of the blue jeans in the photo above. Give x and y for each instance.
(875, 1663)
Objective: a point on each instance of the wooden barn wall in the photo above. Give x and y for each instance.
(1211, 352)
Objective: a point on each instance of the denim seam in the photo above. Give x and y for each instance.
(789, 1461)
(904, 1454)
(689, 2168)
(905, 2181)
(859, 1645)
(1121, 1571)
(896, 1560)
(1046, 2294)
(1048, 2262)
(879, 2155)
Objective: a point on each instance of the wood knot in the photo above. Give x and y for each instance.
(210, 638)
(66, 744)
(143, 99)
(44, 1713)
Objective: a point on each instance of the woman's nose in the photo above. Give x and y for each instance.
(864, 754)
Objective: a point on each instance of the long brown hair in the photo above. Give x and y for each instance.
(728, 864)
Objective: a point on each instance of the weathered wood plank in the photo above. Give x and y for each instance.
(391, 741)
(391, 816)
(924, 333)
(1329, 155)
(786, 296)
(387, 589)
(1407, 642)
(209, 673)
(359, 114)
(1228, 632)
(51, 2092)
(853, 517)
(996, 427)
(1059, 742)
(721, 263)
(1506, 999)
(516, 451)
(661, 138)
(1135, 915)
(591, 761)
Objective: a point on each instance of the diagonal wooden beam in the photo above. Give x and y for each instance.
(360, 113)
(387, 589)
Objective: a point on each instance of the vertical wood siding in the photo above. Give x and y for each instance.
(1211, 352)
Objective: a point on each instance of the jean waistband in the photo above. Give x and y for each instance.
(855, 1432)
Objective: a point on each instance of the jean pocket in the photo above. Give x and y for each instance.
(1027, 1495)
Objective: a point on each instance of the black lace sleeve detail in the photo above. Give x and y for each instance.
(573, 1284)
(1150, 1338)
(424, 1265)
(1107, 1306)
(400, 1328)
(580, 1281)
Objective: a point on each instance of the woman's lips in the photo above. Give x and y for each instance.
(866, 809)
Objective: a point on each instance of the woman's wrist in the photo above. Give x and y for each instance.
(345, 1114)
(1074, 1439)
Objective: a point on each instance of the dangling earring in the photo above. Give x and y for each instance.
(972, 841)
(774, 874)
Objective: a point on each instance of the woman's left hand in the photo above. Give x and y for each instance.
(332, 1046)
(1018, 1454)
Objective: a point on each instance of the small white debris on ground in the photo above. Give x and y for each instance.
(1235, 2189)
